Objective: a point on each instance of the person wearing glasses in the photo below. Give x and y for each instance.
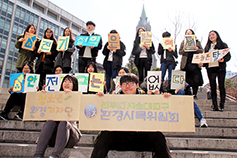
(126, 140)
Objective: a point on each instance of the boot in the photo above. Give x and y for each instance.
(4, 116)
(215, 106)
(222, 106)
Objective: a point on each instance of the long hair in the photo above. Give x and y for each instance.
(125, 69)
(71, 35)
(219, 43)
(92, 64)
(52, 36)
(28, 27)
(190, 30)
(137, 38)
(73, 80)
(57, 67)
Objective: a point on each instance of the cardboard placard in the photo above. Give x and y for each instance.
(88, 40)
(168, 43)
(189, 42)
(114, 40)
(96, 83)
(178, 79)
(201, 58)
(146, 38)
(17, 82)
(83, 79)
(57, 106)
(45, 45)
(137, 113)
(29, 41)
(154, 80)
(63, 42)
(31, 82)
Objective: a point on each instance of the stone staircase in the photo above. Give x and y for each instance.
(219, 140)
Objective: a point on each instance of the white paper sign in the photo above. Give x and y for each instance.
(178, 79)
(52, 82)
(31, 82)
(153, 80)
(83, 79)
(218, 54)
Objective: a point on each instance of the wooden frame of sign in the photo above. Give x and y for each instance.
(114, 40)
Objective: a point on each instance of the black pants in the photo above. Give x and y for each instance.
(141, 66)
(130, 141)
(15, 99)
(212, 74)
(82, 62)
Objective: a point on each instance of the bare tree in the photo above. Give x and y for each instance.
(177, 23)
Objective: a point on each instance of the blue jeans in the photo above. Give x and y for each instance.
(110, 74)
(164, 67)
(197, 111)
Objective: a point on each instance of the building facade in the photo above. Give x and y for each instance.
(16, 15)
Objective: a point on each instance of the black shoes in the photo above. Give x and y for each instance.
(4, 116)
(195, 97)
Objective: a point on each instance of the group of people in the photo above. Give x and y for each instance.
(61, 134)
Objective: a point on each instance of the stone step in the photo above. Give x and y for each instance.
(227, 144)
(27, 150)
(31, 136)
(214, 119)
(229, 108)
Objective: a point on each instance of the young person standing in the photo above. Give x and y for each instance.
(87, 54)
(113, 61)
(143, 55)
(216, 69)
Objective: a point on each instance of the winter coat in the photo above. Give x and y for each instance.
(64, 59)
(117, 56)
(170, 56)
(48, 63)
(137, 51)
(94, 51)
(24, 56)
(188, 55)
(222, 65)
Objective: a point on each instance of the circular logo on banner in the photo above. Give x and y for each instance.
(90, 111)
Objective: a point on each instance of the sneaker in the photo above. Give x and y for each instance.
(195, 97)
(18, 117)
(203, 123)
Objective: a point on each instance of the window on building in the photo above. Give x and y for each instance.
(26, 2)
(52, 15)
(63, 21)
(38, 7)
(75, 27)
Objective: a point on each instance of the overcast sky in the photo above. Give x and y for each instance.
(124, 15)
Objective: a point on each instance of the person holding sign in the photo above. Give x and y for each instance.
(64, 57)
(113, 60)
(218, 70)
(16, 99)
(87, 54)
(143, 55)
(130, 141)
(59, 134)
(168, 57)
(122, 71)
(24, 55)
(193, 71)
(45, 62)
